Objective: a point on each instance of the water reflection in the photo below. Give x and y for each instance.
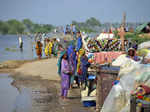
(13, 99)
(23, 102)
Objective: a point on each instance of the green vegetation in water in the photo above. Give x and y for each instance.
(11, 50)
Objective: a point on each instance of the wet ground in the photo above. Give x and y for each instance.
(13, 99)
(45, 95)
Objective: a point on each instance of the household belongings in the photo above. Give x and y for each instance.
(105, 45)
(106, 57)
(140, 99)
(131, 74)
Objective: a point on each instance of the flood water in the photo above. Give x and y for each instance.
(12, 99)
(9, 48)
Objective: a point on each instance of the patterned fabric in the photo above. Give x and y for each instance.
(103, 57)
(105, 45)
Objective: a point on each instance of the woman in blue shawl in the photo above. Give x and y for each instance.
(79, 42)
(72, 61)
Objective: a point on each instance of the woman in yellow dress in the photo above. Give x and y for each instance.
(48, 49)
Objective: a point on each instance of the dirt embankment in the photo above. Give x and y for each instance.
(8, 66)
(44, 68)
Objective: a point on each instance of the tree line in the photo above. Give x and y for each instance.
(89, 26)
(25, 26)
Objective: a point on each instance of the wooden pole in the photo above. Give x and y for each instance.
(122, 34)
(98, 93)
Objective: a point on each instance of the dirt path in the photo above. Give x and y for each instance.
(46, 69)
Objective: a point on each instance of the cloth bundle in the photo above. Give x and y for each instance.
(106, 57)
(106, 45)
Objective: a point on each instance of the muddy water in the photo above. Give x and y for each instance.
(13, 99)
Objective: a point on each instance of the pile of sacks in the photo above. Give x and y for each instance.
(131, 75)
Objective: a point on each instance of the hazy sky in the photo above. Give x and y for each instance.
(60, 12)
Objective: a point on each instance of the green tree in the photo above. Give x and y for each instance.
(15, 26)
(4, 27)
(93, 22)
(48, 28)
(29, 25)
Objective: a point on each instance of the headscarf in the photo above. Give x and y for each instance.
(81, 52)
(79, 43)
(70, 50)
(59, 61)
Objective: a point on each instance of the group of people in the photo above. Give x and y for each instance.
(50, 48)
(70, 29)
(72, 66)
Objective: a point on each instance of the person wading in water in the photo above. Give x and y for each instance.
(20, 43)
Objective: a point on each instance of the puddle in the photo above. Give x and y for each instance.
(13, 99)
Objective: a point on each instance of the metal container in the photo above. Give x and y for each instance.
(106, 75)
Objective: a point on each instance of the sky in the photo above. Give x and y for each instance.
(60, 12)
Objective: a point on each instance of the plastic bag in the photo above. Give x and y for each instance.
(115, 100)
(144, 45)
(119, 96)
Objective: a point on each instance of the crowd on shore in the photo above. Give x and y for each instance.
(74, 59)
(72, 62)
